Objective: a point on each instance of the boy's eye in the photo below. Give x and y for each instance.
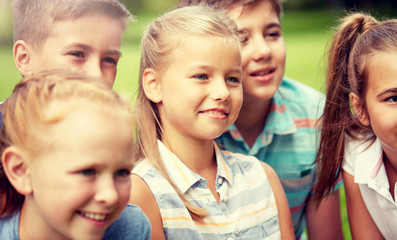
(77, 54)
(201, 76)
(110, 60)
(243, 36)
(272, 35)
(88, 172)
(123, 173)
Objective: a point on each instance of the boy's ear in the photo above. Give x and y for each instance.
(151, 85)
(16, 169)
(21, 51)
(357, 107)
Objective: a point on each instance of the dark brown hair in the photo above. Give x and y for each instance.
(226, 4)
(357, 39)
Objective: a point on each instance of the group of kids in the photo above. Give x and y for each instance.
(210, 70)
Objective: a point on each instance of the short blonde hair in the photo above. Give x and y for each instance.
(25, 115)
(33, 19)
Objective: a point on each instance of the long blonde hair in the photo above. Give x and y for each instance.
(158, 42)
(26, 117)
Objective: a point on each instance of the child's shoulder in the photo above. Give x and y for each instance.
(240, 162)
(132, 224)
(9, 226)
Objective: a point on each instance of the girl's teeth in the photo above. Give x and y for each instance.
(97, 217)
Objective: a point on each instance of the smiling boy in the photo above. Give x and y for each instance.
(83, 36)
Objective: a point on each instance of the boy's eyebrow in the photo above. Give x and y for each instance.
(89, 48)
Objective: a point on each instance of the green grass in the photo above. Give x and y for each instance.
(306, 35)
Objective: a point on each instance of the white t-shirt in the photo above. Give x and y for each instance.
(366, 165)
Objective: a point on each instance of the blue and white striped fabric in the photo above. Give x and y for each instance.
(247, 207)
(288, 143)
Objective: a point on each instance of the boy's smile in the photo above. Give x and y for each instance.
(263, 50)
(90, 44)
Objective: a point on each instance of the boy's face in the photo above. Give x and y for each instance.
(81, 182)
(263, 50)
(90, 44)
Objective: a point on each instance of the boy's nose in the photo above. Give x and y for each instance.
(261, 50)
(94, 68)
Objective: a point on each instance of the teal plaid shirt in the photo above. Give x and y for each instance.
(288, 143)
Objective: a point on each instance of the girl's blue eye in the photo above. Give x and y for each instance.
(201, 76)
(392, 99)
(88, 172)
(233, 79)
(123, 173)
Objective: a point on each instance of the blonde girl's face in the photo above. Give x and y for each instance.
(81, 182)
(201, 91)
(381, 100)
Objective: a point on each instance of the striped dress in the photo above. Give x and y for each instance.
(247, 207)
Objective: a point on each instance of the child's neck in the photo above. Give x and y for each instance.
(390, 163)
(252, 119)
(30, 225)
(199, 156)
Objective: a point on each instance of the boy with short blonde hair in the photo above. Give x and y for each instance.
(277, 120)
(83, 36)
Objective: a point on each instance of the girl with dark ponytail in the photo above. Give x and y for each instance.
(359, 132)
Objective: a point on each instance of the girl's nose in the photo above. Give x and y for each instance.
(220, 91)
(107, 193)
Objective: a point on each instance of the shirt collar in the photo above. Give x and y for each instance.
(368, 161)
(182, 176)
(278, 121)
(224, 169)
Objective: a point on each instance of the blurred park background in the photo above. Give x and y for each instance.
(307, 27)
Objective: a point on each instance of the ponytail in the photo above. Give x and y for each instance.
(338, 119)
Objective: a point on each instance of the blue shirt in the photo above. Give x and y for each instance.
(288, 143)
(132, 224)
(246, 210)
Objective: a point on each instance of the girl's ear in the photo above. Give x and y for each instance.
(16, 169)
(151, 85)
(21, 51)
(359, 112)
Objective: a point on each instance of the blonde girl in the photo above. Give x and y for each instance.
(190, 92)
(360, 124)
(66, 154)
